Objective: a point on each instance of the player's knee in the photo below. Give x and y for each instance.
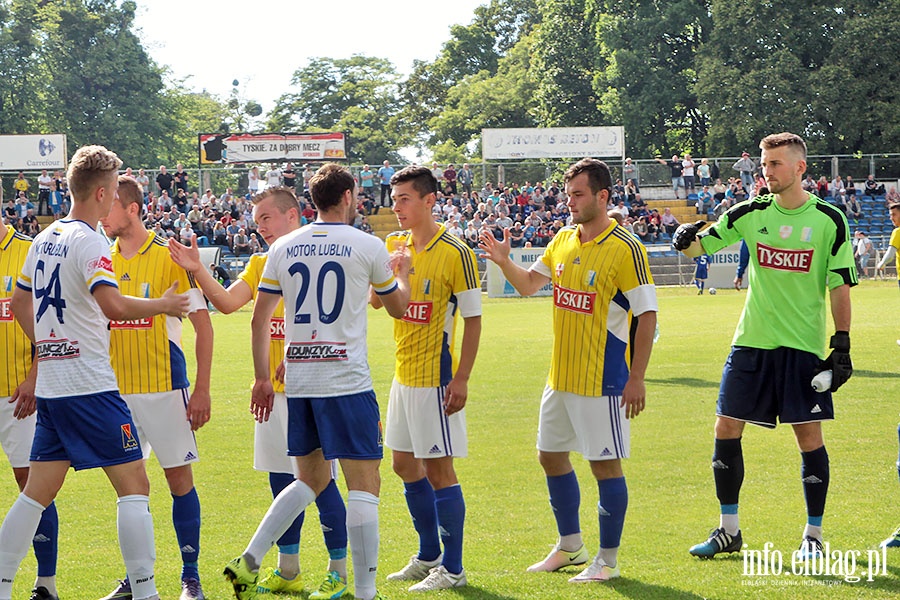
(407, 466)
(180, 480)
(606, 469)
(728, 429)
(21, 475)
(555, 463)
(440, 472)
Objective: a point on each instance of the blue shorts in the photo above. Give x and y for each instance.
(760, 385)
(88, 431)
(701, 273)
(342, 426)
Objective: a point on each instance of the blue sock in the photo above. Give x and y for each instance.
(815, 474)
(333, 516)
(45, 542)
(565, 499)
(186, 518)
(451, 514)
(420, 498)
(612, 506)
(289, 542)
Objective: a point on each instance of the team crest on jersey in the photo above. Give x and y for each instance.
(785, 231)
(57, 349)
(426, 287)
(782, 259)
(305, 352)
(806, 234)
(129, 442)
(418, 313)
(591, 278)
(276, 328)
(7, 283)
(559, 269)
(145, 290)
(6, 315)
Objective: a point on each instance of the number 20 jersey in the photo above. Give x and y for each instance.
(323, 271)
(66, 263)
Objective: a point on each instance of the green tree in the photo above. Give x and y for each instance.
(23, 89)
(195, 113)
(357, 95)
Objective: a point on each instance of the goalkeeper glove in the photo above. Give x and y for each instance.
(686, 234)
(839, 360)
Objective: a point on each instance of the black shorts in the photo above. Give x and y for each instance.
(759, 386)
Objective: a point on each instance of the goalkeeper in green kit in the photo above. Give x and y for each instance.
(800, 247)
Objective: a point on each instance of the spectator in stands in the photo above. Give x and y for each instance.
(653, 226)
(164, 181)
(185, 233)
(676, 168)
(703, 172)
(704, 201)
(471, 235)
(809, 185)
(640, 230)
(516, 236)
(23, 205)
(44, 181)
(668, 221)
(837, 188)
(180, 178)
(688, 166)
(219, 235)
(241, 243)
(719, 190)
(255, 246)
(180, 202)
(740, 193)
(863, 252)
(307, 174)
(465, 177)
(745, 166)
(450, 178)
(852, 207)
(631, 193)
(893, 196)
(144, 182)
(822, 187)
(273, 176)
(289, 175)
(56, 200)
(30, 225)
(9, 213)
(873, 188)
(253, 181)
(630, 171)
(384, 174)
(849, 186)
(721, 207)
(21, 184)
(622, 209)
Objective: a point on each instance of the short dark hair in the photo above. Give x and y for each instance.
(422, 179)
(130, 192)
(328, 185)
(784, 138)
(599, 177)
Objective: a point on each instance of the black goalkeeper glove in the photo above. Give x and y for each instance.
(686, 234)
(839, 360)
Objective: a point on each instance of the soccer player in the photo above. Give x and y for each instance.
(601, 280)
(426, 423)
(152, 374)
(276, 212)
(65, 293)
(323, 271)
(701, 272)
(799, 247)
(17, 408)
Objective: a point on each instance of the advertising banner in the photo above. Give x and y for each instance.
(553, 142)
(217, 148)
(32, 152)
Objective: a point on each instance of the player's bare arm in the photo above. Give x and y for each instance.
(525, 281)
(634, 395)
(200, 404)
(263, 395)
(117, 307)
(396, 302)
(23, 395)
(226, 301)
(22, 306)
(400, 263)
(458, 388)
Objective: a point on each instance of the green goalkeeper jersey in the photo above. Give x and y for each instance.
(797, 255)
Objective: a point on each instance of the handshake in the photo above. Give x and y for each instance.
(686, 234)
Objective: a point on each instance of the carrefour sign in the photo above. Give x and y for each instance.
(32, 152)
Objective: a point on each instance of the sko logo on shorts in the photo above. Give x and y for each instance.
(782, 259)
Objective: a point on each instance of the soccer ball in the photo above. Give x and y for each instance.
(712, 291)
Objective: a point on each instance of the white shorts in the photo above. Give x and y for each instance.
(15, 435)
(270, 442)
(595, 426)
(416, 423)
(163, 426)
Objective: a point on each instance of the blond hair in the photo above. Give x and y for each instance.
(90, 167)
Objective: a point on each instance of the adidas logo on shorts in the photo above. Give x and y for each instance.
(434, 450)
(190, 456)
(606, 452)
(815, 409)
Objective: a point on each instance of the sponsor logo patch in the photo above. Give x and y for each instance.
(146, 323)
(6, 315)
(57, 349)
(573, 300)
(101, 264)
(276, 328)
(418, 312)
(301, 352)
(781, 259)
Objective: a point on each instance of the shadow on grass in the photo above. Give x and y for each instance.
(876, 374)
(633, 588)
(476, 593)
(689, 381)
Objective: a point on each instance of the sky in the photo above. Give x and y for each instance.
(261, 45)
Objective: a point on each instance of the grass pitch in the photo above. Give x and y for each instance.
(509, 522)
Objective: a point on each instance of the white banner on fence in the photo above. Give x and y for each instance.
(553, 142)
(499, 287)
(32, 152)
(723, 267)
(263, 147)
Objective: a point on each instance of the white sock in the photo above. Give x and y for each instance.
(18, 529)
(813, 531)
(729, 523)
(571, 542)
(288, 565)
(609, 556)
(339, 565)
(286, 507)
(135, 527)
(362, 530)
(47, 582)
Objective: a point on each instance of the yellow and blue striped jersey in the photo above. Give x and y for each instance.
(146, 353)
(443, 280)
(597, 285)
(17, 348)
(251, 275)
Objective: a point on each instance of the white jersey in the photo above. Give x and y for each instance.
(65, 264)
(324, 270)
